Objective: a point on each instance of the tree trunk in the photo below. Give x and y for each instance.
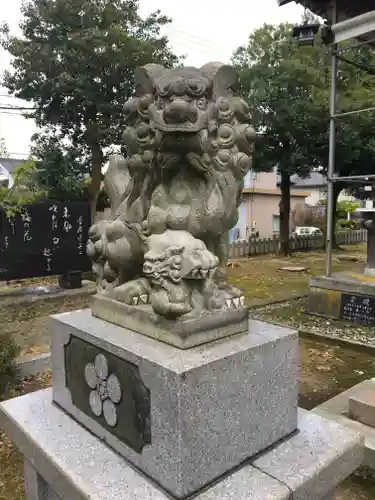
(285, 214)
(96, 177)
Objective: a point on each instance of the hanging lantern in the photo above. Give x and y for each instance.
(305, 33)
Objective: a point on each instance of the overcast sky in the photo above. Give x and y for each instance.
(203, 30)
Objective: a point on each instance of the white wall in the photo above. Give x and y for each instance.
(316, 195)
(6, 176)
(319, 194)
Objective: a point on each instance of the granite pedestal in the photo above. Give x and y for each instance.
(64, 461)
(183, 417)
(346, 295)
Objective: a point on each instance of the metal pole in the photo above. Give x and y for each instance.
(363, 179)
(355, 45)
(332, 144)
(348, 113)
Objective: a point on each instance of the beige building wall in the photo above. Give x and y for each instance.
(262, 212)
(261, 180)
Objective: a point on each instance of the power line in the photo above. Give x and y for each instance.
(17, 108)
(197, 39)
(14, 106)
(196, 48)
(18, 154)
(12, 114)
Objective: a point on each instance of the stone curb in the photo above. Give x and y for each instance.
(87, 288)
(278, 301)
(359, 346)
(33, 365)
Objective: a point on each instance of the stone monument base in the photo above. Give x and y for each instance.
(63, 461)
(180, 333)
(355, 409)
(184, 417)
(345, 295)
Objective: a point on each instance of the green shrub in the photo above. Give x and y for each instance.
(348, 224)
(9, 373)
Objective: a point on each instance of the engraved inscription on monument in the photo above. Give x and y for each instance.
(358, 308)
(109, 390)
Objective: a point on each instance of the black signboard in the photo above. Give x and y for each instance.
(44, 239)
(358, 308)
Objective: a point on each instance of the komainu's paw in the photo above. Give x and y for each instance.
(226, 297)
(133, 293)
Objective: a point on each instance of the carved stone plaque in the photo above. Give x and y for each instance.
(109, 390)
(358, 308)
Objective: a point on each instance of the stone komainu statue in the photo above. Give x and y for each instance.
(175, 196)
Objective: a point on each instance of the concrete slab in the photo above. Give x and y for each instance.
(66, 462)
(78, 466)
(33, 365)
(309, 460)
(337, 410)
(362, 407)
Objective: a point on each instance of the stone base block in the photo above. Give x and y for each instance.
(362, 407)
(349, 296)
(66, 462)
(337, 410)
(180, 333)
(184, 417)
(369, 271)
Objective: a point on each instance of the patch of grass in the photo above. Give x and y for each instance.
(11, 471)
(11, 460)
(27, 321)
(9, 374)
(261, 280)
(356, 488)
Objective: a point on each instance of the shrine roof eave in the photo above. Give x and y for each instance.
(346, 9)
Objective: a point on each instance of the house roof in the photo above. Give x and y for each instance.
(315, 179)
(10, 164)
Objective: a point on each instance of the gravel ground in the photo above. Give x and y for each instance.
(293, 313)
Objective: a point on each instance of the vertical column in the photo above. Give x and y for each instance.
(370, 265)
(35, 486)
(332, 149)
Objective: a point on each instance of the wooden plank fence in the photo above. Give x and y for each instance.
(262, 246)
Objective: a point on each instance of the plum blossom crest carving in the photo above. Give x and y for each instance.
(106, 390)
